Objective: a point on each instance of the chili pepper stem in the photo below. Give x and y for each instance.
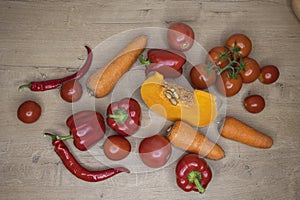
(56, 137)
(143, 61)
(120, 115)
(194, 177)
(53, 137)
(28, 85)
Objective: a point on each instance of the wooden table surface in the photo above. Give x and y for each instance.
(44, 39)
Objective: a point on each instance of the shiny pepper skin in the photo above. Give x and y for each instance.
(86, 128)
(193, 173)
(167, 62)
(124, 116)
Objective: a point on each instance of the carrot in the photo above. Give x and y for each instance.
(238, 131)
(185, 137)
(102, 81)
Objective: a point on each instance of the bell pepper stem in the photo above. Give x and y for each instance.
(120, 115)
(194, 177)
(143, 61)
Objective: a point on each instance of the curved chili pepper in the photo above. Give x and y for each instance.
(124, 116)
(167, 62)
(193, 173)
(55, 83)
(76, 169)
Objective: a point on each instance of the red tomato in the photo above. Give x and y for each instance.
(228, 86)
(254, 103)
(251, 70)
(180, 36)
(219, 56)
(239, 44)
(29, 112)
(71, 91)
(268, 74)
(116, 147)
(201, 78)
(155, 151)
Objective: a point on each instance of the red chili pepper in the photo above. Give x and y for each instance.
(86, 128)
(193, 173)
(76, 169)
(55, 83)
(124, 116)
(167, 62)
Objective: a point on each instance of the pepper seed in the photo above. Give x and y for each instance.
(168, 95)
(175, 95)
(173, 102)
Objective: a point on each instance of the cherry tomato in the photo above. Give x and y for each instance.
(201, 78)
(219, 56)
(29, 112)
(71, 91)
(254, 103)
(180, 36)
(155, 151)
(239, 44)
(268, 74)
(251, 70)
(116, 147)
(228, 86)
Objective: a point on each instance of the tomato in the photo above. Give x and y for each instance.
(254, 103)
(251, 70)
(155, 151)
(219, 56)
(268, 74)
(29, 112)
(180, 36)
(239, 44)
(71, 91)
(201, 78)
(228, 86)
(116, 147)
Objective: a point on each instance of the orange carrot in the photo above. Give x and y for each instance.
(238, 131)
(102, 81)
(185, 137)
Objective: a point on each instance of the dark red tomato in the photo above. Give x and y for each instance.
(254, 103)
(251, 70)
(240, 44)
(116, 147)
(201, 78)
(29, 112)
(71, 91)
(228, 86)
(268, 74)
(155, 151)
(180, 36)
(219, 56)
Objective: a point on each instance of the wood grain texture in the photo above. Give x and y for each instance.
(45, 39)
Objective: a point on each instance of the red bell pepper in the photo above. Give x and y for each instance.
(193, 173)
(167, 62)
(86, 128)
(124, 116)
